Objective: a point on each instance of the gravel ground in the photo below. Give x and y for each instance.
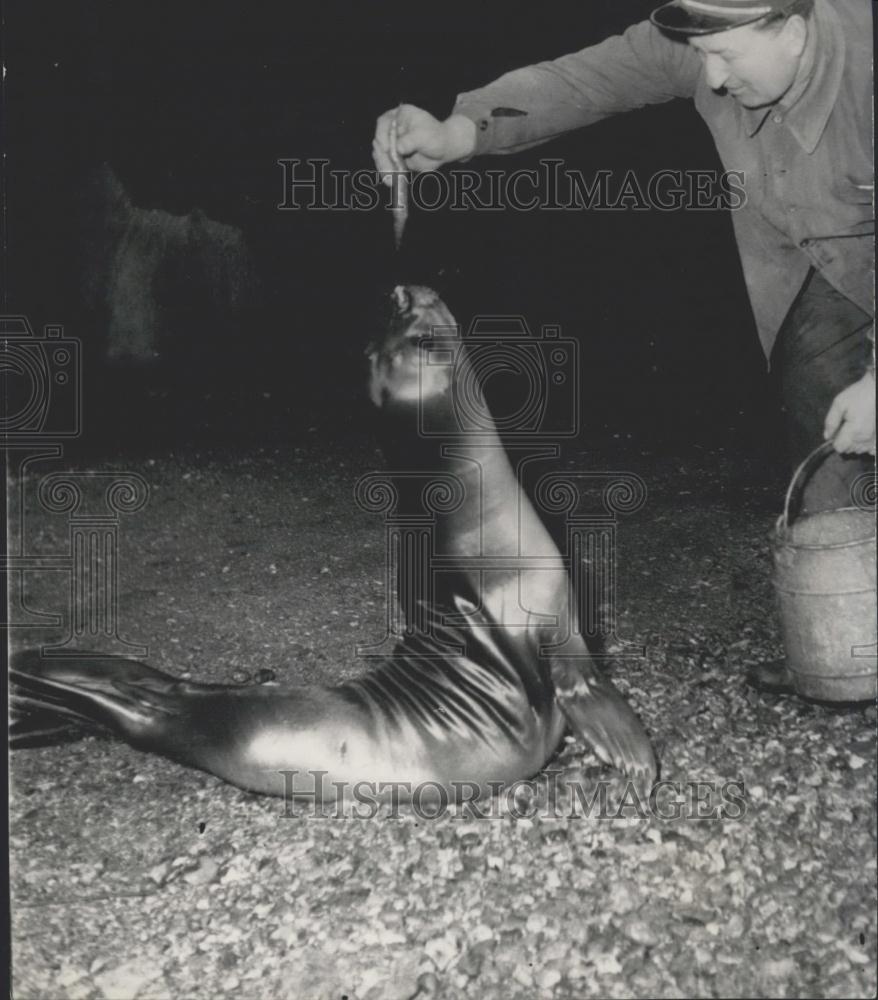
(134, 877)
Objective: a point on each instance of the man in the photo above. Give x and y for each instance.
(785, 87)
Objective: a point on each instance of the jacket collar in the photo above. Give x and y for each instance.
(808, 116)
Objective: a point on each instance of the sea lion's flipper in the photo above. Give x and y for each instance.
(600, 715)
(60, 699)
(31, 725)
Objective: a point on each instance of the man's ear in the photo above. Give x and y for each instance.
(795, 34)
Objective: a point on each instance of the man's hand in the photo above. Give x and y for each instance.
(851, 418)
(422, 141)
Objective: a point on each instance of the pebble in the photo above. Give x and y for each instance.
(126, 980)
(639, 932)
(387, 937)
(548, 979)
(427, 986)
(159, 873)
(535, 923)
(442, 950)
(624, 896)
(522, 974)
(69, 975)
(776, 970)
(81, 991)
(471, 962)
(606, 964)
(206, 872)
(372, 980)
(855, 955)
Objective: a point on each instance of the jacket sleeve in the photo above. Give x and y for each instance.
(535, 104)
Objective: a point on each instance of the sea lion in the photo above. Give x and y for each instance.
(466, 698)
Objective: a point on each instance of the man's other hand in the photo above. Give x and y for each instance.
(850, 421)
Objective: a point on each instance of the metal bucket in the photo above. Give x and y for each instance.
(824, 577)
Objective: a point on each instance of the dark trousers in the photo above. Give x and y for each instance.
(822, 347)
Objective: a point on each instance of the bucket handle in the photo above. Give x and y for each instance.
(806, 467)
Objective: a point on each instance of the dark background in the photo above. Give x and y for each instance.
(193, 104)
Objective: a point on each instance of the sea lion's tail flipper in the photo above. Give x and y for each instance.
(597, 712)
(58, 700)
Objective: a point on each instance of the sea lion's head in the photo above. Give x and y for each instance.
(403, 370)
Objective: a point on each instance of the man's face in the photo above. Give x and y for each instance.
(756, 66)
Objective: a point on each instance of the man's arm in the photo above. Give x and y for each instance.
(532, 105)
(535, 104)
